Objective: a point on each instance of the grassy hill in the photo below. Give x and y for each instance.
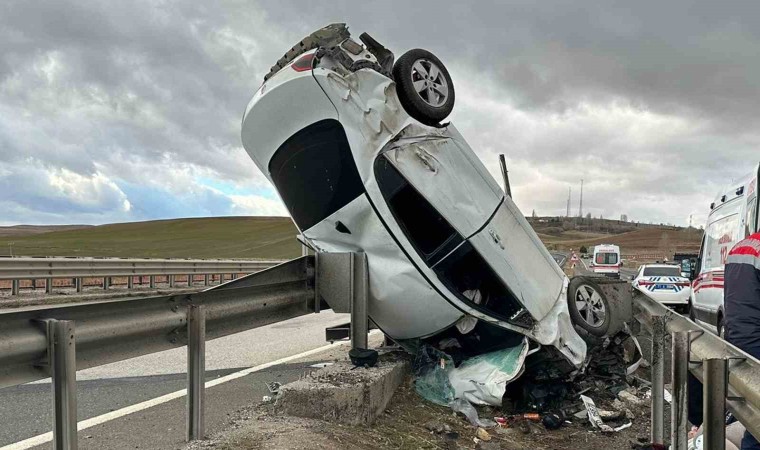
(213, 237)
(274, 237)
(25, 230)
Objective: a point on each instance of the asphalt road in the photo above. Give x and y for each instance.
(25, 411)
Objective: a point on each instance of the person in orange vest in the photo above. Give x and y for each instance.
(742, 305)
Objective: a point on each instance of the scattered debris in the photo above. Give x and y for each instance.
(273, 387)
(593, 415)
(552, 421)
(482, 434)
(321, 365)
(629, 397)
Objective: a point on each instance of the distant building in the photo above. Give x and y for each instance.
(624, 217)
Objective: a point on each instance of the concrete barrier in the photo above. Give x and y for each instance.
(339, 393)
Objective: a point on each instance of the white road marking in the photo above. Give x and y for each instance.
(585, 267)
(93, 421)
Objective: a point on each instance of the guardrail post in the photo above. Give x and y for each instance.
(171, 281)
(679, 414)
(658, 379)
(78, 284)
(189, 280)
(359, 318)
(62, 360)
(152, 282)
(48, 285)
(196, 368)
(130, 282)
(14, 287)
(714, 410)
(106, 282)
(205, 279)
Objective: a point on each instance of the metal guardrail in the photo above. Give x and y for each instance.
(730, 377)
(37, 343)
(16, 269)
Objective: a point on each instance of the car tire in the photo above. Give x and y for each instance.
(424, 86)
(589, 307)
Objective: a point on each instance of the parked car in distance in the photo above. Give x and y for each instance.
(355, 145)
(733, 216)
(665, 284)
(606, 260)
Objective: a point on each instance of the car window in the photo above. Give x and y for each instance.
(752, 216)
(315, 173)
(721, 235)
(662, 272)
(606, 258)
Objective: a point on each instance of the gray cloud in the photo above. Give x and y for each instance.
(652, 103)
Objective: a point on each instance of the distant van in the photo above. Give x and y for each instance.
(733, 216)
(606, 260)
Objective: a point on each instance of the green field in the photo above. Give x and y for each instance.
(213, 237)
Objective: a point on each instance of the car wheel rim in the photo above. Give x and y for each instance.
(590, 306)
(430, 83)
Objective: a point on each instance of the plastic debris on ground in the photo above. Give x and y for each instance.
(530, 391)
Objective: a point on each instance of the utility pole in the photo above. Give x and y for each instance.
(569, 193)
(580, 206)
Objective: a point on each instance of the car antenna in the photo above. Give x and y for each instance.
(505, 175)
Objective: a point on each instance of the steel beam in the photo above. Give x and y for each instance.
(78, 284)
(714, 409)
(114, 330)
(62, 365)
(679, 414)
(48, 285)
(360, 292)
(130, 282)
(658, 379)
(14, 287)
(196, 369)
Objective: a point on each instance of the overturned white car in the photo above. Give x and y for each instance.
(354, 146)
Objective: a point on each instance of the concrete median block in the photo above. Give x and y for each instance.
(340, 393)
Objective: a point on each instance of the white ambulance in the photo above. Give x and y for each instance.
(606, 260)
(733, 216)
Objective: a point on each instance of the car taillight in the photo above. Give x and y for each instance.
(683, 284)
(303, 63)
(645, 283)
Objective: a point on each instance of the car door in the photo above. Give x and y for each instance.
(520, 259)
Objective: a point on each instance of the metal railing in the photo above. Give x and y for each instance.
(730, 377)
(78, 269)
(38, 343)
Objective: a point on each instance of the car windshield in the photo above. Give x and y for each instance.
(606, 258)
(662, 272)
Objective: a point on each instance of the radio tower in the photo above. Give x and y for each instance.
(569, 192)
(580, 207)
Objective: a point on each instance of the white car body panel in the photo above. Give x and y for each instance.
(407, 299)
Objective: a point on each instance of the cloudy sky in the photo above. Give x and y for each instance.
(123, 111)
